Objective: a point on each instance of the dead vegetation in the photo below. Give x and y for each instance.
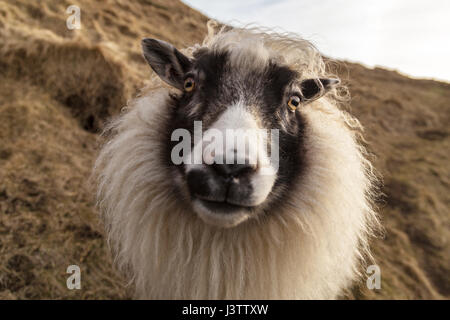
(59, 86)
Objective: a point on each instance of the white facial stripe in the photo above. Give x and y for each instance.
(235, 117)
(234, 138)
(239, 131)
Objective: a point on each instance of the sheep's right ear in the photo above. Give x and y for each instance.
(168, 62)
(313, 89)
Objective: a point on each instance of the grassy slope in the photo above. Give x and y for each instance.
(59, 85)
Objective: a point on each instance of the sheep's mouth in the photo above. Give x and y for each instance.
(221, 213)
(223, 207)
(227, 201)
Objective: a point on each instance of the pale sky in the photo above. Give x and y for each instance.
(410, 36)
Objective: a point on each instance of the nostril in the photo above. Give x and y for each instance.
(220, 169)
(232, 170)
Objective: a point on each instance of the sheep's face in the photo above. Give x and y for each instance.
(236, 137)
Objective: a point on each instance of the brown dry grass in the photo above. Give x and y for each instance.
(58, 87)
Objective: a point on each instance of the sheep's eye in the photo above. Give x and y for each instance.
(189, 84)
(293, 103)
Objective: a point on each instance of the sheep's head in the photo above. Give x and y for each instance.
(251, 150)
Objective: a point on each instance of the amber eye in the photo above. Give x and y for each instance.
(189, 84)
(293, 103)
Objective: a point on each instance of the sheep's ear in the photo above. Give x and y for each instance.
(168, 62)
(313, 89)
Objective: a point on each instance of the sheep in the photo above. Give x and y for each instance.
(214, 230)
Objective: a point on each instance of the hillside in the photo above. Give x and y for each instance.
(58, 86)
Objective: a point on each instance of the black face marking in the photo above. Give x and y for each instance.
(278, 78)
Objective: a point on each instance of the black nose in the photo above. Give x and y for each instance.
(232, 170)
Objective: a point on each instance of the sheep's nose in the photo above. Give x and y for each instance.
(233, 170)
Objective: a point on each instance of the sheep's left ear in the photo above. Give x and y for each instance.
(168, 62)
(313, 89)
